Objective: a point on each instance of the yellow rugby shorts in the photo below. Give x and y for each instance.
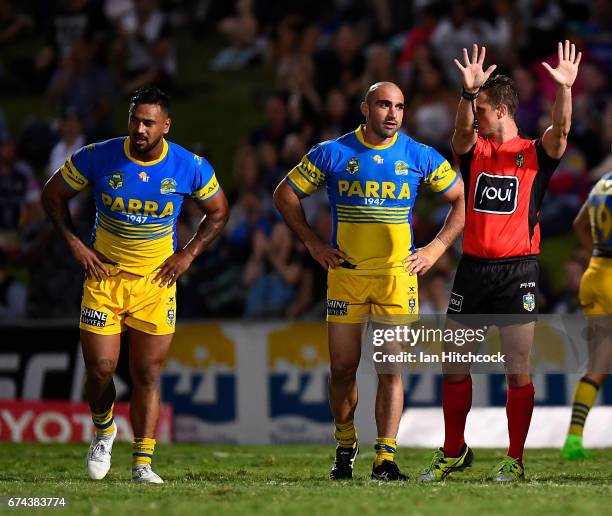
(352, 298)
(125, 299)
(596, 287)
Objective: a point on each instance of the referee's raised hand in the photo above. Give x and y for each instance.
(474, 76)
(567, 69)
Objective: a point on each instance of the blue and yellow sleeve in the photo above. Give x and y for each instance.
(311, 172)
(205, 185)
(78, 169)
(439, 175)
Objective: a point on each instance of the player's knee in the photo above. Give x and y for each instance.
(146, 376)
(343, 373)
(101, 371)
(390, 380)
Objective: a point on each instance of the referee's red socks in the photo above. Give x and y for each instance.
(456, 403)
(519, 407)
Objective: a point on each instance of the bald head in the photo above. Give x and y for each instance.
(382, 89)
(383, 108)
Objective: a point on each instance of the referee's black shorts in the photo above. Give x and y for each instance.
(502, 287)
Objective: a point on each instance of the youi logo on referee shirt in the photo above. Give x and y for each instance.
(496, 194)
(298, 364)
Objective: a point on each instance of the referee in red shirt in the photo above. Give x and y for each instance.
(505, 178)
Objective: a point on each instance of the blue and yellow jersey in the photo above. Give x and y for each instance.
(137, 203)
(599, 205)
(372, 190)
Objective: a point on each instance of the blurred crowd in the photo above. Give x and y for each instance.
(322, 55)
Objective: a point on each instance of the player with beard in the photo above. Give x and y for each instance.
(372, 176)
(505, 179)
(132, 264)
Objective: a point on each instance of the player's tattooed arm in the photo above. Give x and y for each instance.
(289, 204)
(425, 257)
(55, 197)
(216, 213)
(474, 76)
(554, 139)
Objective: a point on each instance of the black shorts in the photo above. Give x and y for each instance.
(503, 286)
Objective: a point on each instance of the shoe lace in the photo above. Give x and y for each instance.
(436, 460)
(100, 449)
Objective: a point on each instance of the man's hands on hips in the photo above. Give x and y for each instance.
(173, 267)
(89, 259)
(325, 254)
(423, 259)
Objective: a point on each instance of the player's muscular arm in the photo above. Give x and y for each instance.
(216, 213)
(424, 258)
(55, 197)
(554, 139)
(288, 203)
(582, 228)
(474, 77)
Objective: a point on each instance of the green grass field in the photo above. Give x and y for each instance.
(293, 480)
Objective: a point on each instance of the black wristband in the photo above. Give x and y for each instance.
(469, 96)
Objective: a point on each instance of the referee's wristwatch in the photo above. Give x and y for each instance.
(468, 95)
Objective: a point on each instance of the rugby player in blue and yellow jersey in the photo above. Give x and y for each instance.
(139, 183)
(593, 225)
(372, 176)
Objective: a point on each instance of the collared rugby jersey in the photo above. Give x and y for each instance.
(137, 202)
(372, 190)
(504, 188)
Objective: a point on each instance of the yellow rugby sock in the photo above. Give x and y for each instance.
(346, 434)
(385, 450)
(584, 397)
(142, 451)
(104, 422)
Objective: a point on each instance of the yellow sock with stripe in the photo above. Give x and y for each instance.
(104, 422)
(385, 447)
(142, 451)
(346, 434)
(586, 393)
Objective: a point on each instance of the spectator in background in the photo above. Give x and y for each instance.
(145, 53)
(336, 116)
(530, 109)
(379, 66)
(73, 20)
(542, 22)
(12, 23)
(19, 196)
(275, 127)
(82, 85)
(419, 35)
(430, 114)
(591, 103)
(272, 274)
(71, 139)
(456, 32)
(250, 206)
(13, 293)
(241, 32)
(605, 165)
(342, 65)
